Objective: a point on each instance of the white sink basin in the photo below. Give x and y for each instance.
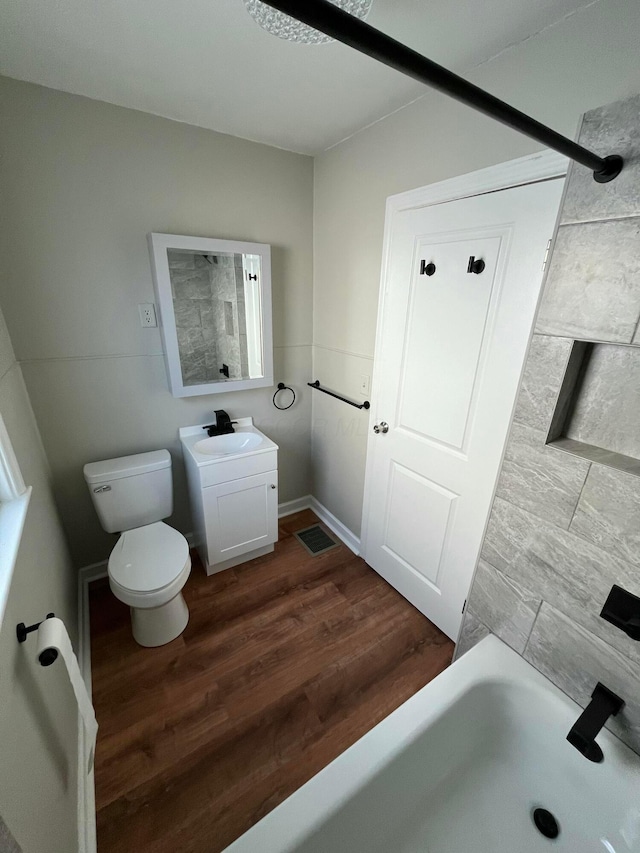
(224, 445)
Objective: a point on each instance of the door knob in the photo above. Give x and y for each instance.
(381, 427)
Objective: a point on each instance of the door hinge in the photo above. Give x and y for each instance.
(546, 255)
(464, 605)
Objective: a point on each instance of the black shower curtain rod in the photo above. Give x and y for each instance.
(342, 26)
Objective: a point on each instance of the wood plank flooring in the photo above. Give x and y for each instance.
(285, 663)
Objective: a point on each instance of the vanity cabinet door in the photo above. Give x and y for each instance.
(241, 516)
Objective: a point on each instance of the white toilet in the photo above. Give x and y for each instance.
(150, 563)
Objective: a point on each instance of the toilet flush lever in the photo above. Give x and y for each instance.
(99, 489)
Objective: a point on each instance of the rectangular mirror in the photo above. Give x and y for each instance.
(214, 299)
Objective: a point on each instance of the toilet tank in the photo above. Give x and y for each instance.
(131, 491)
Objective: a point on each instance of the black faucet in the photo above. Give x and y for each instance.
(223, 424)
(604, 704)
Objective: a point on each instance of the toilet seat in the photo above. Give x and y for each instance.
(149, 565)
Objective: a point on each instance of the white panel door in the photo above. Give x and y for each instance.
(449, 354)
(240, 516)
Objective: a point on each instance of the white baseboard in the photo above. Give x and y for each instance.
(341, 530)
(297, 505)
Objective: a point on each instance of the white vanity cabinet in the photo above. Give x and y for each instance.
(233, 495)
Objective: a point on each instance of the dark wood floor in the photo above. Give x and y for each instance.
(286, 662)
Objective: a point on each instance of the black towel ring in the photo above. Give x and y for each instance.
(283, 387)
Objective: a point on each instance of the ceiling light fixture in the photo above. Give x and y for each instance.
(285, 27)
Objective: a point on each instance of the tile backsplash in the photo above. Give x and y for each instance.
(564, 528)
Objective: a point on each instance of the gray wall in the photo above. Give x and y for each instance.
(38, 712)
(564, 528)
(82, 184)
(588, 59)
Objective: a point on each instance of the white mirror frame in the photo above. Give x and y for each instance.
(158, 246)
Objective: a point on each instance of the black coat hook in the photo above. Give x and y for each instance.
(476, 266)
(427, 268)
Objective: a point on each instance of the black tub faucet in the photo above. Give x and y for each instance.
(604, 704)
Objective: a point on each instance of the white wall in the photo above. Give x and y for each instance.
(589, 59)
(82, 183)
(38, 713)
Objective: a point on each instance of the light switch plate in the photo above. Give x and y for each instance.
(365, 383)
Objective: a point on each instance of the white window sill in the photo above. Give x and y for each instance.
(12, 517)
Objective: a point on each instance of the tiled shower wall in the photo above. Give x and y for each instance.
(564, 528)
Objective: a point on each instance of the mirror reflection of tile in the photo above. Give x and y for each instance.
(209, 307)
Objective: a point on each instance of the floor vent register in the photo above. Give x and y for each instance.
(315, 540)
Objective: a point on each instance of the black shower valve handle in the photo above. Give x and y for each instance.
(622, 609)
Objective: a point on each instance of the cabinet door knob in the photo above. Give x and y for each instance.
(272, 486)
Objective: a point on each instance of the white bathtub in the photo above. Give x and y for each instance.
(459, 768)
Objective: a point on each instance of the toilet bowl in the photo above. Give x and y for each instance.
(147, 570)
(150, 563)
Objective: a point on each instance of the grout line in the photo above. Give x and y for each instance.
(573, 514)
(533, 625)
(577, 222)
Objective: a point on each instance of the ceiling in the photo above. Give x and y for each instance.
(206, 62)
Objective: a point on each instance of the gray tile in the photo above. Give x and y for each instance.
(539, 478)
(628, 464)
(208, 314)
(196, 339)
(223, 283)
(202, 261)
(180, 260)
(607, 409)
(186, 312)
(184, 343)
(508, 532)
(194, 369)
(471, 633)
(229, 325)
(608, 513)
(190, 284)
(209, 335)
(575, 660)
(568, 572)
(541, 381)
(505, 607)
(593, 285)
(612, 129)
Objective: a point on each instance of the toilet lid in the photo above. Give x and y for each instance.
(148, 558)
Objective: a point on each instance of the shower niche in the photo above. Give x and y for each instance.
(597, 414)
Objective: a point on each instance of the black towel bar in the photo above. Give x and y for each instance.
(316, 385)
